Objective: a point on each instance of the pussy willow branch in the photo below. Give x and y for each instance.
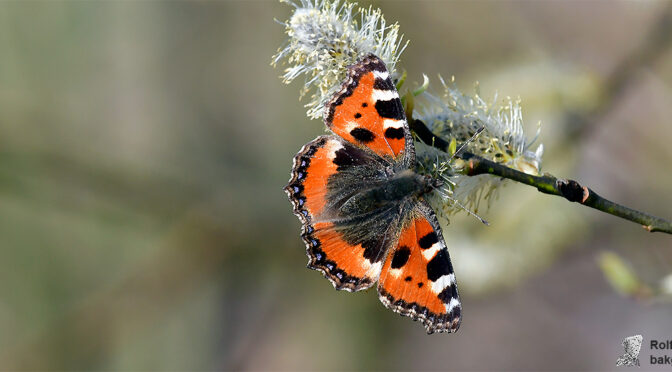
(548, 184)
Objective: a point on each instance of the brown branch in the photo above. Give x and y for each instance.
(548, 184)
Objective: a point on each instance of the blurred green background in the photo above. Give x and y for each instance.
(144, 147)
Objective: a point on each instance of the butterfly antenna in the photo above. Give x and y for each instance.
(483, 220)
(486, 223)
(465, 144)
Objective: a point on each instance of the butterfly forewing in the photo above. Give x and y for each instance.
(367, 111)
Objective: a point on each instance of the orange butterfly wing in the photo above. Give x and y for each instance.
(367, 111)
(349, 266)
(417, 279)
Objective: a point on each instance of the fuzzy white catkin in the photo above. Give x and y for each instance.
(458, 116)
(325, 37)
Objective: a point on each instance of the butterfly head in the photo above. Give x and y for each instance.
(430, 183)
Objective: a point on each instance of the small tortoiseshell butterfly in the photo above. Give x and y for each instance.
(362, 204)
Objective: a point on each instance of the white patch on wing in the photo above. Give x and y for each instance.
(454, 302)
(384, 95)
(394, 272)
(392, 123)
(349, 126)
(381, 74)
(333, 147)
(442, 283)
(431, 251)
(373, 268)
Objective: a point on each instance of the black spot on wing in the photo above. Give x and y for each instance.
(383, 84)
(394, 133)
(358, 115)
(400, 257)
(420, 284)
(457, 312)
(428, 240)
(349, 156)
(408, 278)
(362, 135)
(391, 109)
(373, 249)
(448, 293)
(364, 104)
(439, 266)
(376, 64)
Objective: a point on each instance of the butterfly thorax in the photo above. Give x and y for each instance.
(392, 191)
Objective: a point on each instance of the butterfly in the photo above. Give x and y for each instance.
(362, 203)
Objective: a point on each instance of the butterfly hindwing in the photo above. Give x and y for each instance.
(348, 251)
(417, 279)
(367, 111)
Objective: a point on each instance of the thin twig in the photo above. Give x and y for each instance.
(548, 184)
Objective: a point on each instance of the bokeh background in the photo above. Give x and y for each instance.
(144, 147)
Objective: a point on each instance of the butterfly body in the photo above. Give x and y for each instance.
(362, 204)
(396, 191)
